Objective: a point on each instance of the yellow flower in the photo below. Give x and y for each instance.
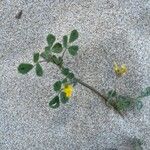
(120, 70)
(68, 89)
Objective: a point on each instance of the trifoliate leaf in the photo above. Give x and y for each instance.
(57, 86)
(54, 103)
(50, 40)
(57, 48)
(65, 41)
(36, 57)
(24, 68)
(39, 70)
(73, 36)
(73, 50)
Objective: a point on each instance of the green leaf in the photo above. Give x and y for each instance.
(65, 71)
(57, 48)
(54, 103)
(112, 93)
(123, 103)
(145, 93)
(139, 105)
(39, 70)
(64, 81)
(24, 68)
(44, 55)
(63, 98)
(73, 36)
(47, 57)
(70, 75)
(60, 61)
(50, 40)
(36, 57)
(73, 50)
(47, 49)
(65, 41)
(57, 86)
(57, 61)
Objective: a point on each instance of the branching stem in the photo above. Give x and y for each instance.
(89, 87)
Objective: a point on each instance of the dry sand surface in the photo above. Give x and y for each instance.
(109, 30)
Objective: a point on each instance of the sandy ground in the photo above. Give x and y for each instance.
(109, 30)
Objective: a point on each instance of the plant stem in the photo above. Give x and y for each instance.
(91, 88)
(42, 61)
(98, 93)
(63, 53)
